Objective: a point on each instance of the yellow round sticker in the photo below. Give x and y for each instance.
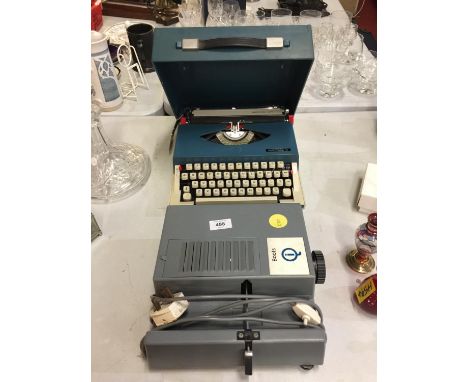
(278, 221)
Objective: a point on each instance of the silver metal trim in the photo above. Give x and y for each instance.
(274, 42)
(273, 111)
(190, 44)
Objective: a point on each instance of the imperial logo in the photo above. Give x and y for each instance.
(290, 254)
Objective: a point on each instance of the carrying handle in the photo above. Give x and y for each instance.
(233, 42)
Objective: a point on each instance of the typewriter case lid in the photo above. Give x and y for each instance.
(233, 77)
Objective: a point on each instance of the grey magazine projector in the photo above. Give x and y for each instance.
(263, 251)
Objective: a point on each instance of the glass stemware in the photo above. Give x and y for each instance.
(245, 17)
(191, 13)
(330, 74)
(230, 7)
(215, 10)
(364, 78)
(331, 80)
(281, 16)
(355, 49)
(310, 17)
(341, 18)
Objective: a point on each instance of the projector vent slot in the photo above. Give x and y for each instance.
(217, 256)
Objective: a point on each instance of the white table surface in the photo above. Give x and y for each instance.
(154, 101)
(334, 150)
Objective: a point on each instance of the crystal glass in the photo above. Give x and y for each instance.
(230, 7)
(351, 32)
(331, 75)
(281, 16)
(245, 17)
(328, 32)
(310, 17)
(341, 18)
(191, 13)
(364, 78)
(215, 10)
(331, 80)
(355, 49)
(338, 46)
(344, 38)
(117, 170)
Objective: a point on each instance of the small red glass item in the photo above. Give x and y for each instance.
(365, 295)
(360, 259)
(96, 15)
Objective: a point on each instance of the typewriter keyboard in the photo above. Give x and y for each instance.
(237, 182)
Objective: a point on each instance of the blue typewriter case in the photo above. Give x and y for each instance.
(238, 78)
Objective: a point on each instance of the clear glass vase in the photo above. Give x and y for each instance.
(117, 170)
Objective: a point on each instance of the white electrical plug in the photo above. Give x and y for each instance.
(306, 313)
(170, 312)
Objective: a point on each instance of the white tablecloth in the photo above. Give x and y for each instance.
(334, 151)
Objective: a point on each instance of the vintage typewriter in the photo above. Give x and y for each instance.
(252, 162)
(236, 100)
(235, 275)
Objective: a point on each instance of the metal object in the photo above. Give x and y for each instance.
(235, 135)
(248, 336)
(252, 112)
(248, 361)
(274, 42)
(352, 259)
(190, 44)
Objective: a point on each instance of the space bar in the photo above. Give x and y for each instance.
(237, 199)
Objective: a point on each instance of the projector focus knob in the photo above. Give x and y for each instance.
(320, 269)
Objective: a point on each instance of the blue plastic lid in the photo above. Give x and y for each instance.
(226, 78)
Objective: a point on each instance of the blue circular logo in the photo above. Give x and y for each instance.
(290, 254)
